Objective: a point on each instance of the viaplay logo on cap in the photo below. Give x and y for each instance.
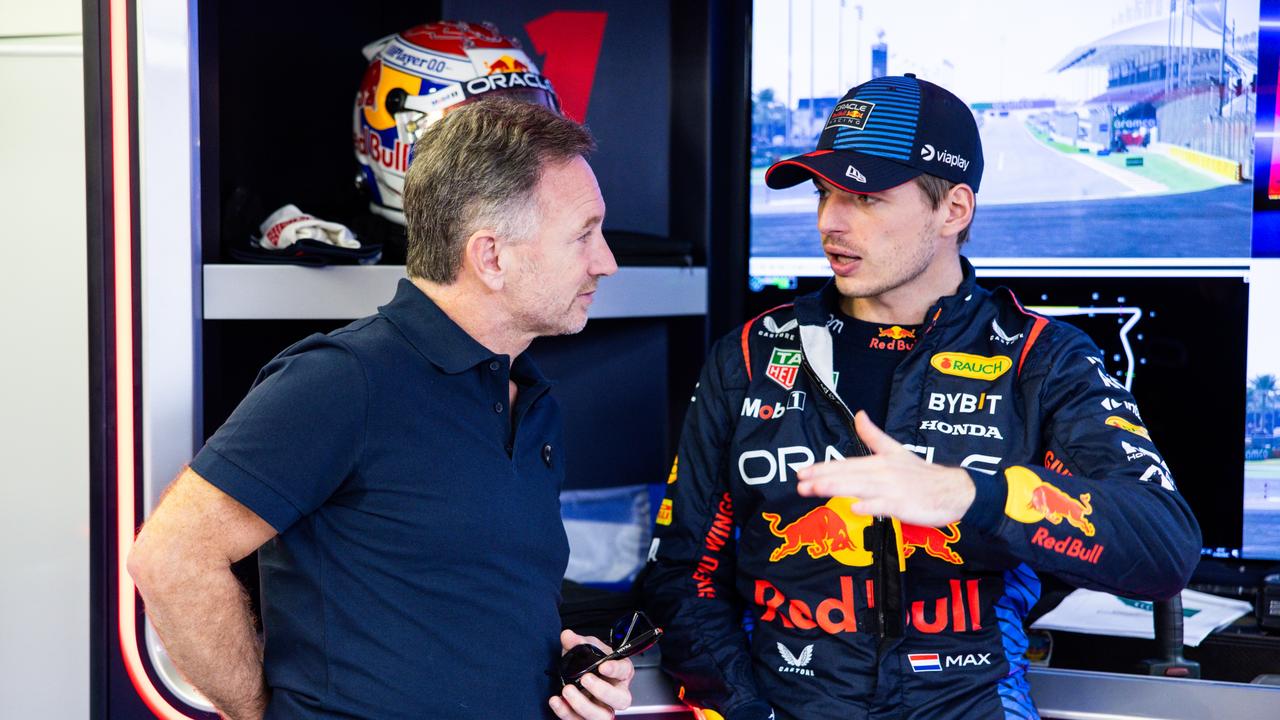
(850, 114)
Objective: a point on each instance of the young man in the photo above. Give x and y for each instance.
(885, 573)
(400, 477)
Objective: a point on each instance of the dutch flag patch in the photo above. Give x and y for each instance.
(925, 662)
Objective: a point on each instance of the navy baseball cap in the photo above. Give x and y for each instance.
(885, 132)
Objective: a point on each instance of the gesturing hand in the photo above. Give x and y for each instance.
(892, 481)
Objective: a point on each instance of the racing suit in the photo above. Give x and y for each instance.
(849, 616)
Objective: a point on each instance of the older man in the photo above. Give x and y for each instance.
(399, 477)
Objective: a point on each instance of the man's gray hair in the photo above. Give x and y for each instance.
(479, 167)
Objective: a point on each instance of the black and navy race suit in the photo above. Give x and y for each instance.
(855, 617)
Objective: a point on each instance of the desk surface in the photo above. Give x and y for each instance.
(1065, 695)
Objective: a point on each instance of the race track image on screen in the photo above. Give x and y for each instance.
(1119, 130)
(1262, 416)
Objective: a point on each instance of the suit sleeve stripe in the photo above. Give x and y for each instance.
(1031, 340)
(746, 336)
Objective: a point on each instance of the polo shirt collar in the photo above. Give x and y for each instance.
(432, 332)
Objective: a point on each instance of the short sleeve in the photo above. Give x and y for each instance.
(295, 437)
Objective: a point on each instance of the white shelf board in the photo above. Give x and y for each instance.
(290, 292)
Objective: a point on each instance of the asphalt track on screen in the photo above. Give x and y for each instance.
(1037, 201)
(1206, 224)
(1262, 509)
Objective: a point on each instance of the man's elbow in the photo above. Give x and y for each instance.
(145, 562)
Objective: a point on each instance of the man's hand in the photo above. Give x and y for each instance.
(609, 686)
(892, 481)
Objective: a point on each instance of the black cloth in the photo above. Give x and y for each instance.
(864, 356)
(420, 553)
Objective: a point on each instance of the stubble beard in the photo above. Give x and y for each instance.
(902, 272)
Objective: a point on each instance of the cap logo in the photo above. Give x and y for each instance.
(852, 172)
(851, 114)
(946, 157)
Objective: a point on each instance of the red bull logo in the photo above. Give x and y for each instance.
(395, 157)
(933, 541)
(833, 615)
(1031, 500)
(950, 610)
(958, 610)
(506, 64)
(1054, 463)
(1070, 546)
(897, 332)
(832, 530)
(1057, 506)
(898, 338)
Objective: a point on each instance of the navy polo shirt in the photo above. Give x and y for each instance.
(417, 569)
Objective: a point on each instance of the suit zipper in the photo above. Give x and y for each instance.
(860, 449)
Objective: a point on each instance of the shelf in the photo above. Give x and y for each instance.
(289, 292)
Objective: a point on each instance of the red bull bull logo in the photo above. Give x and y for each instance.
(832, 530)
(894, 338)
(897, 332)
(1057, 506)
(1031, 500)
(506, 64)
(933, 541)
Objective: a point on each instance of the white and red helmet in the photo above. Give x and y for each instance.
(417, 76)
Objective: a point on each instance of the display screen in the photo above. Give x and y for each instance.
(1122, 192)
(1115, 134)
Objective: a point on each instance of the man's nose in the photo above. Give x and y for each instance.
(602, 260)
(831, 220)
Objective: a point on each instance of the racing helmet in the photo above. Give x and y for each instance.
(416, 77)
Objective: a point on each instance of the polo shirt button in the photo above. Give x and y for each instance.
(546, 454)
(495, 365)
(497, 407)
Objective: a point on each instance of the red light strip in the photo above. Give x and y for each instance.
(122, 238)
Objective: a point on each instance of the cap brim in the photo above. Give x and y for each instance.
(841, 168)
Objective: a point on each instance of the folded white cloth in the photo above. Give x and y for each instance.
(288, 225)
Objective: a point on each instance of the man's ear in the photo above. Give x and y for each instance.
(959, 203)
(482, 258)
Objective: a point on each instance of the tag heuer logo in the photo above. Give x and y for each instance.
(784, 365)
(850, 114)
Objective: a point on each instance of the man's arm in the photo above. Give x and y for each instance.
(1107, 517)
(181, 563)
(689, 582)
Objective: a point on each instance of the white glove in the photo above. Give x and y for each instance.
(288, 225)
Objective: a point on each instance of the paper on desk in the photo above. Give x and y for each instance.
(1097, 613)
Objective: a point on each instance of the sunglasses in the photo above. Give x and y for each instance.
(633, 636)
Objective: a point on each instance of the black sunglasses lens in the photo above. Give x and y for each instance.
(579, 661)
